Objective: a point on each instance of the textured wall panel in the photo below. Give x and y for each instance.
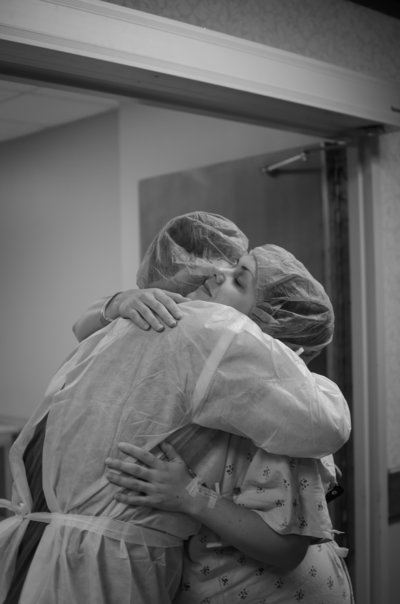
(335, 31)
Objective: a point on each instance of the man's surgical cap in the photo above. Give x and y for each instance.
(185, 246)
(291, 305)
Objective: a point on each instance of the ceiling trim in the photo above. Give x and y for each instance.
(121, 50)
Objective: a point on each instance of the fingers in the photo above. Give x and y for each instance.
(132, 499)
(152, 482)
(169, 452)
(149, 461)
(153, 308)
(136, 318)
(129, 474)
(147, 458)
(178, 298)
(129, 468)
(143, 317)
(127, 482)
(165, 307)
(136, 492)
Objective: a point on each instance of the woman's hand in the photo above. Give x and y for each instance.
(157, 483)
(152, 308)
(166, 485)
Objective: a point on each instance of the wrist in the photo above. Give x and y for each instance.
(110, 309)
(198, 498)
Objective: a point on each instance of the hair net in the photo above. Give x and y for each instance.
(291, 305)
(186, 246)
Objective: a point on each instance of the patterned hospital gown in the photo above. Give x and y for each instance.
(289, 494)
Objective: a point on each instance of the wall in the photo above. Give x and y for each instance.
(393, 558)
(389, 186)
(335, 31)
(59, 247)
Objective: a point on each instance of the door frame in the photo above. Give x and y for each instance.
(368, 360)
(99, 45)
(96, 45)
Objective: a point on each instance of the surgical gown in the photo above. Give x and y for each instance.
(216, 370)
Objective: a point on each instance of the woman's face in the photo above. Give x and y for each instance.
(232, 286)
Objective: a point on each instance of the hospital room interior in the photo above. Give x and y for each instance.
(91, 169)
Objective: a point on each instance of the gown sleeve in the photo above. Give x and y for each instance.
(255, 386)
(289, 494)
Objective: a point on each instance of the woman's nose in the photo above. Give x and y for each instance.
(221, 274)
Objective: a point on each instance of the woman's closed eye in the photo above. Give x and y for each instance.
(243, 277)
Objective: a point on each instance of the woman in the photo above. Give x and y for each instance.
(218, 567)
(287, 493)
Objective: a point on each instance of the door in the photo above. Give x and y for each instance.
(302, 207)
(285, 208)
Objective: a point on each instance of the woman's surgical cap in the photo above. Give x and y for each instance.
(186, 246)
(291, 305)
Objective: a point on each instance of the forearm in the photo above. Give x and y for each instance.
(245, 530)
(92, 320)
(147, 309)
(169, 486)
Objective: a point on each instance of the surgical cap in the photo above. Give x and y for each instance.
(186, 246)
(291, 305)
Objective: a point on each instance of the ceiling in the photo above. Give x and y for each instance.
(28, 108)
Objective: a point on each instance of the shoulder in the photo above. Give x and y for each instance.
(216, 320)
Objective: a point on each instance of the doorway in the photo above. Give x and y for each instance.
(303, 208)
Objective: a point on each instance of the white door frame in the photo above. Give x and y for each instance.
(98, 44)
(94, 44)
(368, 359)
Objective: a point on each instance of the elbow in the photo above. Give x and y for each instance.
(335, 428)
(292, 554)
(75, 331)
(343, 433)
(294, 558)
(78, 331)
(331, 418)
(344, 424)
